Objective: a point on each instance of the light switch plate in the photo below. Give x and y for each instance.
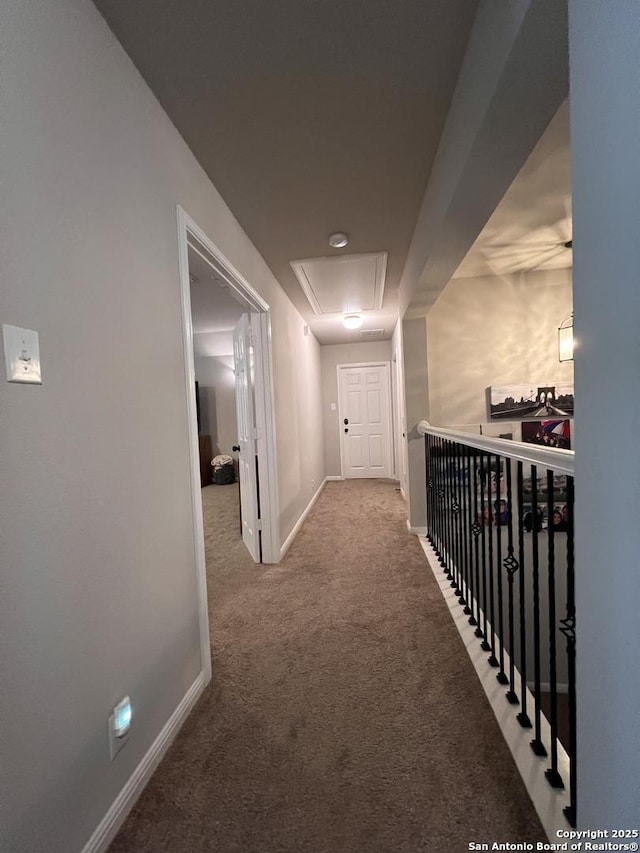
(21, 355)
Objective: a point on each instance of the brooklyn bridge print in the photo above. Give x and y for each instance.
(531, 401)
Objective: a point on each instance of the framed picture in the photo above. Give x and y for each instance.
(559, 513)
(542, 492)
(549, 433)
(534, 521)
(529, 400)
(540, 520)
(491, 479)
(497, 514)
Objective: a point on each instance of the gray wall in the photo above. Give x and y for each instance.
(217, 386)
(605, 138)
(97, 554)
(494, 330)
(332, 356)
(416, 393)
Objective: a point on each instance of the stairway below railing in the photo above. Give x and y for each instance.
(500, 521)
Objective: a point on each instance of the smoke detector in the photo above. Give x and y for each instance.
(338, 240)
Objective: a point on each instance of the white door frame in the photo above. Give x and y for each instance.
(191, 235)
(387, 367)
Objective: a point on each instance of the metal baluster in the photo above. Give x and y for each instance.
(553, 777)
(501, 676)
(469, 524)
(569, 630)
(511, 565)
(428, 475)
(464, 525)
(451, 556)
(536, 744)
(454, 513)
(483, 541)
(476, 530)
(493, 660)
(462, 583)
(440, 497)
(523, 717)
(435, 499)
(460, 525)
(454, 522)
(442, 492)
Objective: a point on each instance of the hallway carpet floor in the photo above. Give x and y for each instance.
(344, 715)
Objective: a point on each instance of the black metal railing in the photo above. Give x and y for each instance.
(500, 520)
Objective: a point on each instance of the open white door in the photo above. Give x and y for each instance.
(244, 359)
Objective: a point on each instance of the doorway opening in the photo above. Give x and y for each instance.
(247, 355)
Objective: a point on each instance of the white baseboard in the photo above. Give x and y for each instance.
(404, 497)
(417, 531)
(126, 799)
(334, 477)
(548, 802)
(289, 540)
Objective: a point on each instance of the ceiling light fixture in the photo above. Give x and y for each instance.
(338, 240)
(352, 321)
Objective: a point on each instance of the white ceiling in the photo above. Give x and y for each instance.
(532, 223)
(310, 117)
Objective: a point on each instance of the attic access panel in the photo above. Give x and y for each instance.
(343, 284)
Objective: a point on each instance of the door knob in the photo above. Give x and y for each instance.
(346, 429)
(236, 447)
(346, 420)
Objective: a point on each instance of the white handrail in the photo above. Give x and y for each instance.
(560, 461)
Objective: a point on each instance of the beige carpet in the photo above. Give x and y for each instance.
(344, 715)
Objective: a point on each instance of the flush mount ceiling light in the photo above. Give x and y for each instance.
(338, 240)
(352, 321)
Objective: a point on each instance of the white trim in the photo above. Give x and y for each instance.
(191, 235)
(223, 266)
(296, 529)
(380, 363)
(336, 477)
(106, 830)
(194, 451)
(560, 461)
(548, 802)
(347, 366)
(404, 498)
(416, 531)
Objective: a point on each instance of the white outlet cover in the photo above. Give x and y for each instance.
(21, 354)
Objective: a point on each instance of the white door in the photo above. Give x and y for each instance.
(365, 422)
(244, 358)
